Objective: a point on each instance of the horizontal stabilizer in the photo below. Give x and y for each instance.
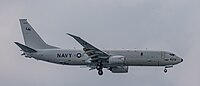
(25, 48)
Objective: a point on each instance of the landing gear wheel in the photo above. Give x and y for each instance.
(100, 72)
(98, 67)
(165, 70)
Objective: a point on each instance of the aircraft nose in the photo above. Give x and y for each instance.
(181, 60)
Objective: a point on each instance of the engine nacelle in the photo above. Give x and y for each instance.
(117, 60)
(119, 69)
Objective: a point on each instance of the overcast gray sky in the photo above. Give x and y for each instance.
(170, 25)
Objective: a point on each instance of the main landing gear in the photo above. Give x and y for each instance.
(99, 67)
(100, 72)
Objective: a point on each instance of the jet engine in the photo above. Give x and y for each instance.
(119, 69)
(117, 60)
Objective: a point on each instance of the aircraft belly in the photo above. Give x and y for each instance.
(71, 61)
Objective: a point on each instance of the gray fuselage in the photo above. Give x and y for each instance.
(132, 57)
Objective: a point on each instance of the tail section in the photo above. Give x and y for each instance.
(31, 38)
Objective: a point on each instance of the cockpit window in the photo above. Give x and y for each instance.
(173, 59)
(172, 54)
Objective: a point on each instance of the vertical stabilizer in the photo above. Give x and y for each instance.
(31, 38)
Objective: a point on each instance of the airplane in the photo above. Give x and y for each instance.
(117, 61)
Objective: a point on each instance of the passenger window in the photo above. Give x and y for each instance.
(172, 54)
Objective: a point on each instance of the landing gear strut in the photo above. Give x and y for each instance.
(168, 66)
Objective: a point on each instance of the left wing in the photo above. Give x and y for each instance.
(93, 52)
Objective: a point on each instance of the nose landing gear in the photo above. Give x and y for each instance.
(168, 66)
(165, 70)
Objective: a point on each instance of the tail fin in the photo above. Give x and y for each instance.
(31, 38)
(25, 48)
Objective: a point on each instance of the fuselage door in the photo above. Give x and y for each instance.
(162, 54)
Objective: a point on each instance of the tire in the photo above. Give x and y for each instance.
(100, 72)
(165, 70)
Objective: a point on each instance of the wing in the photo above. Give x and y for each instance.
(93, 52)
